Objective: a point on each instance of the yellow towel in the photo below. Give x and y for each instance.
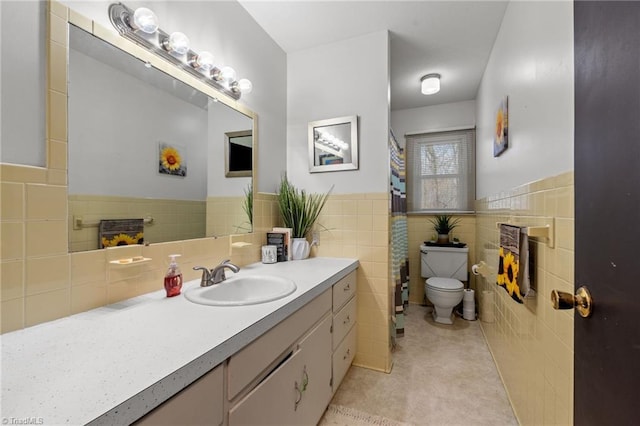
(513, 265)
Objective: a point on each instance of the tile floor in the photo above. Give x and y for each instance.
(442, 375)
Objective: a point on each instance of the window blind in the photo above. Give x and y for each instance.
(441, 171)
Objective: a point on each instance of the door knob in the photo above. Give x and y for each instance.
(582, 301)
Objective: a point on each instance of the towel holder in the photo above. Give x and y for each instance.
(80, 223)
(545, 232)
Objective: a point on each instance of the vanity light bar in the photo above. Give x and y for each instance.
(199, 65)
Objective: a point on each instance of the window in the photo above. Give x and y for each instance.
(441, 171)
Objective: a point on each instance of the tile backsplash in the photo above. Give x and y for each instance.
(531, 343)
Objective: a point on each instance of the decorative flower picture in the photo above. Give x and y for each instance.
(120, 232)
(172, 160)
(501, 136)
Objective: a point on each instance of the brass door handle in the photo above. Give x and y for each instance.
(582, 301)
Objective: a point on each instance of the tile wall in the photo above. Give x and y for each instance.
(532, 343)
(173, 220)
(420, 230)
(357, 226)
(225, 216)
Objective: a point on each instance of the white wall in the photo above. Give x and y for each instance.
(22, 82)
(114, 142)
(350, 77)
(432, 118)
(225, 29)
(532, 63)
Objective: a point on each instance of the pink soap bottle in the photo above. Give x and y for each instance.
(173, 277)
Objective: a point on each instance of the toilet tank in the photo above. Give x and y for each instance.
(444, 262)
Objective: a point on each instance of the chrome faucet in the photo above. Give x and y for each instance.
(215, 275)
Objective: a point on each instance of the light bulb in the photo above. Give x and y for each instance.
(245, 86)
(430, 84)
(228, 74)
(204, 61)
(177, 43)
(145, 20)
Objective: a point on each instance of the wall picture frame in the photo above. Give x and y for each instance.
(333, 144)
(172, 159)
(238, 154)
(501, 135)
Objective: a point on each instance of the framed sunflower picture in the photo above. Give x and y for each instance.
(120, 232)
(501, 136)
(172, 159)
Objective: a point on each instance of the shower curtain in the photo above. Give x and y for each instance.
(399, 236)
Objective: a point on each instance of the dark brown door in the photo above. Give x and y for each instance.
(607, 185)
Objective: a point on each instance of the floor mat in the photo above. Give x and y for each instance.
(337, 415)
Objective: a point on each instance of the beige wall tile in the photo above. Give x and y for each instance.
(59, 9)
(88, 296)
(57, 116)
(46, 202)
(12, 244)
(46, 238)
(24, 174)
(12, 315)
(45, 274)
(57, 67)
(57, 155)
(58, 29)
(11, 280)
(47, 306)
(88, 267)
(12, 201)
(533, 334)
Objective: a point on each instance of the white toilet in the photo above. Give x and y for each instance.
(444, 268)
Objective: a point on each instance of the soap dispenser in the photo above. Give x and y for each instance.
(173, 277)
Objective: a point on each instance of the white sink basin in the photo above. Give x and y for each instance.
(242, 290)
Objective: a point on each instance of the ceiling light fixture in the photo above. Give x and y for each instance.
(141, 27)
(430, 84)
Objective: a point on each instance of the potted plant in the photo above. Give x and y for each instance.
(443, 224)
(299, 211)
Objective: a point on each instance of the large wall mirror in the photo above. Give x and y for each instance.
(147, 153)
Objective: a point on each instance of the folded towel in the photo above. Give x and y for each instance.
(513, 265)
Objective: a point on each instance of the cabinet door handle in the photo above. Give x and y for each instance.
(305, 379)
(347, 287)
(298, 396)
(347, 320)
(347, 354)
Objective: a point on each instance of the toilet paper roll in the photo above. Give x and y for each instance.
(486, 306)
(469, 294)
(469, 305)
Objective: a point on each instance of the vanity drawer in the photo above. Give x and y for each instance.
(343, 321)
(342, 358)
(343, 290)
(250, 362)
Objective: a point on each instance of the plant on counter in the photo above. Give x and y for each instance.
(247, 202)
(443, 224)
(299, 210)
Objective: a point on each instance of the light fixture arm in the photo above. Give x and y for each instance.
(121, 16)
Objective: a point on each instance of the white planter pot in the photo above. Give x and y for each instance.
(299, 248)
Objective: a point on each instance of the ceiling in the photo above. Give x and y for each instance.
(452, 38)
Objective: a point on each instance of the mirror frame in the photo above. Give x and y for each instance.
(352, 121)
(111, 36)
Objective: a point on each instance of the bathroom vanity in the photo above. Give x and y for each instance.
(155, 360)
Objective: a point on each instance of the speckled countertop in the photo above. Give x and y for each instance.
(113, 364)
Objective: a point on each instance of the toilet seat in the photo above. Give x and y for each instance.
(445, 284)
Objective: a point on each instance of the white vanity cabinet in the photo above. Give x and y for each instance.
(344, 330)
(297, 389)
(200, 403)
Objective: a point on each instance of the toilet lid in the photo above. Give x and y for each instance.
(445, 283)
